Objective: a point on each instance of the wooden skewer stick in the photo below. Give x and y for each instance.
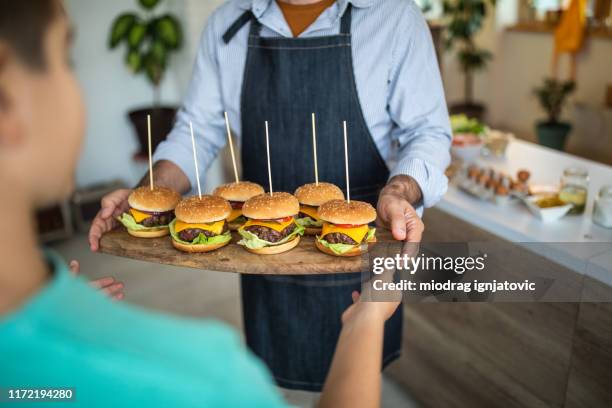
(195, 160)
(314, 149)
(346, 163)
(231, 145)
(268, 152)
(150, 152)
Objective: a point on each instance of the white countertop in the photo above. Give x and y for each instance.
(514, 222)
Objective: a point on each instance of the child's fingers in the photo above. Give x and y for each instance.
(114, 290)
(99, 226)
(102, 282)
(75, 268)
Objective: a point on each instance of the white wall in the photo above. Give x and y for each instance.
(521, 61)
(110, 90)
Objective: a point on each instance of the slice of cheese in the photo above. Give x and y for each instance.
(139, 215)
(356, 233)
(236, 212)
(310, 211)
(215, 227)
(276, 226)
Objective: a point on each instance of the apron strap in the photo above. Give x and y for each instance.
(238, 24)
(345, 23)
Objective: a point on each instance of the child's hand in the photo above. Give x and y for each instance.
(108, 285)
(113, 205)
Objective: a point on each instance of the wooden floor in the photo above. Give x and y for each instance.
(505, 354)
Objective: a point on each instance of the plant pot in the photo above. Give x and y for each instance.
(469, 109)
(553, 135)
(162, 120)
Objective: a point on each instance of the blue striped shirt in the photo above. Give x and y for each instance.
(396, 71)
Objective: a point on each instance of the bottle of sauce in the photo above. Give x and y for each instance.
(574, 188)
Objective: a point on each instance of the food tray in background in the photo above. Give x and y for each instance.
(488, 184)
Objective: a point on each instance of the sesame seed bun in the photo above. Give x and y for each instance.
(160, 199)
(344, 212)
(270, 207)
(209, 208)
(199, 247)
(316, 194)
(239, 192)
(149, 233)
(276, 249)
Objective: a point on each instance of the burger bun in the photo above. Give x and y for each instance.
(345, 212)
(160, 199)
(150, 233)
(271, 206)
(194, 210)
(316, 194)
(276, 249)
(198, 247)
(239, 192)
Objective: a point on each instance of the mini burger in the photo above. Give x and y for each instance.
(151, 211)
(270, 226)
(237, 194)
(311, 196)
(200, 224)
(345, 229)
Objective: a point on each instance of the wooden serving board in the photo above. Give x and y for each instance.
(304, 259)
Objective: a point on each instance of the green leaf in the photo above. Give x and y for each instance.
(343, 248)
(308, 222)
(136, 35)
(130, 223)
(154, 69)
(148, 4)
(200, 239)
(158, 52)
(134, 61)
(120, 29)
(252, 241)
(168, 30)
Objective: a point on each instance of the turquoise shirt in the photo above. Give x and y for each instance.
(114, 355)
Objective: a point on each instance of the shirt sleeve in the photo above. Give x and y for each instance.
(202, 106)
(418, 108)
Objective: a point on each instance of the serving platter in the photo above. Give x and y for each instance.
(304, 259)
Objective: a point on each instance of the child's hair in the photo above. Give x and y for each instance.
(23, 24)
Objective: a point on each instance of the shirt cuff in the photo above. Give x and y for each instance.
(431, 180)
(179, 155)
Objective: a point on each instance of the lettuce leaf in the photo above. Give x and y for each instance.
(343, 248)
(240, 220)
(130, 223)
(308, 222)
(200, 239)
(252, 241)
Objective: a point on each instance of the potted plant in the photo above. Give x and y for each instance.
(552, 95)
(149, 41)
(465, 18)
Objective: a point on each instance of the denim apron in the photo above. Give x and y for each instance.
(293, 322)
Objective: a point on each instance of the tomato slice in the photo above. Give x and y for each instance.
(237, 205)
(347, 225)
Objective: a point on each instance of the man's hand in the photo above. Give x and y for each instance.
(113, 205)
(395, 210)
(108, 285)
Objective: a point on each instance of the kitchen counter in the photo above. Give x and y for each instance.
(514, 222)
